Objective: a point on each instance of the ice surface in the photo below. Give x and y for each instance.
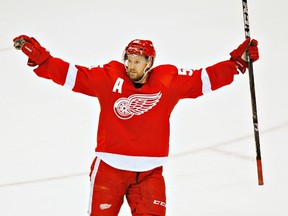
(47, 134)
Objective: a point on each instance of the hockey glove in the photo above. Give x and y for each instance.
(31, 47)
(238, 56)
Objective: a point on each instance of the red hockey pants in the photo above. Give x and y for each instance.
(144, 191)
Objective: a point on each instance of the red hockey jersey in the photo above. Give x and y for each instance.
(133, 131)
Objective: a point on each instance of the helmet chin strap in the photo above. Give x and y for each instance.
(146, 71)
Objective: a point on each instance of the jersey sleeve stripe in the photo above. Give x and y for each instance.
(206, 84)
(71, 77)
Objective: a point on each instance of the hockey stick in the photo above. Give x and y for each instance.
(253, 97)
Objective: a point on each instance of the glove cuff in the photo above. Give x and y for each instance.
(37, 55)
(240, 63)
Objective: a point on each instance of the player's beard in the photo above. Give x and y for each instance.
(134, 76)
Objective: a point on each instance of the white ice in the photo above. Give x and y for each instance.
(47, 133)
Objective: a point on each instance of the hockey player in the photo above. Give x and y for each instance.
(136, 102)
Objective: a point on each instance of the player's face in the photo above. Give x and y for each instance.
(136, 66)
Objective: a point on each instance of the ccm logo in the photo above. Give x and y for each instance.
(157, 202)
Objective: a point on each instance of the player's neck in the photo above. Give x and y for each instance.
(138, 85)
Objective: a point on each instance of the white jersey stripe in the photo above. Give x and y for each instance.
(206, 85)
(71, 77)
(93, 176)
(131, 163)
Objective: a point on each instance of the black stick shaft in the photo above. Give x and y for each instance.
(253, 97)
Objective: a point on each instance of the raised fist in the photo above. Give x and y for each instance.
(32, 48)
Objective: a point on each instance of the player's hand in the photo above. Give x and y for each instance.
(32, 48)
(239, 55)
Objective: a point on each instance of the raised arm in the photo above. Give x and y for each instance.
(193, 83)
(74, 77)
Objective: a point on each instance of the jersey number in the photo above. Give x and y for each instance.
(185, 72)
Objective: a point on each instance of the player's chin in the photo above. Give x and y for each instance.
(133, 76)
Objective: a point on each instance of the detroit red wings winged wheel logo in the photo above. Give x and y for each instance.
(136, 104)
